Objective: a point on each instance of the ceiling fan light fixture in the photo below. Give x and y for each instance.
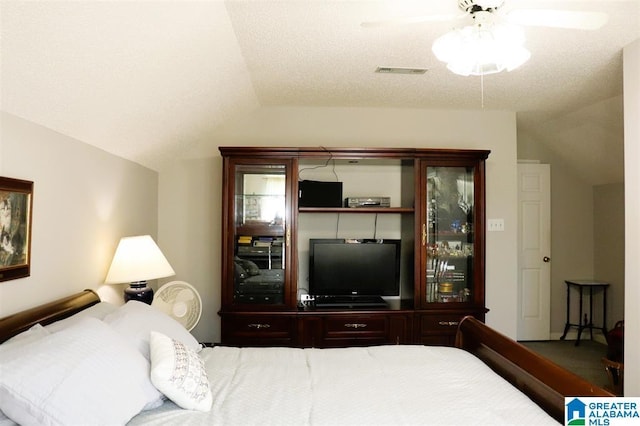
(482, 49)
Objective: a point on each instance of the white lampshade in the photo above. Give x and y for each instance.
(482, 49)
(138, 259)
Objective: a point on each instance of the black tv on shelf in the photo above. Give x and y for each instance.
(353, 268)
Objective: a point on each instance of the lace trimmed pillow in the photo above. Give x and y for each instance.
(178, 372)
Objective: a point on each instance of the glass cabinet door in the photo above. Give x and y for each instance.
(448, 235)
(259, 233)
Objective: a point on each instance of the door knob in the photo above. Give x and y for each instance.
(546, 259)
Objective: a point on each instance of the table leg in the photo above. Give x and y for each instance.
(567, 324)
(580, 326)
(591, 312)
(604, 311)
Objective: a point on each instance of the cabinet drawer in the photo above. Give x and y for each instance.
(258, 330)
(447, 323)
(326, 330)
(352, 326)
(352, 330)
(439, 329)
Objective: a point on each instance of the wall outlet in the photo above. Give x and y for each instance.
(495, 225)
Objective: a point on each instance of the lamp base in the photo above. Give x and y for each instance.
(139, 291)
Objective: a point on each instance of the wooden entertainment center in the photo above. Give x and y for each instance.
(437, 210)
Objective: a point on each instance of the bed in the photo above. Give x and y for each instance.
(401, 384)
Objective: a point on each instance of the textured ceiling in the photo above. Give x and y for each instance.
(147, 79)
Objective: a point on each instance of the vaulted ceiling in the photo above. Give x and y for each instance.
(147, 79)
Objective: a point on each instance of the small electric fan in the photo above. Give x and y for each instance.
(181, 301)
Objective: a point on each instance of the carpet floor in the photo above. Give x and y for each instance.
(583, 360)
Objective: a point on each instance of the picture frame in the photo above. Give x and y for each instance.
(16, 204)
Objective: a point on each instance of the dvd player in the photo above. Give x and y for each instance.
(367, 202)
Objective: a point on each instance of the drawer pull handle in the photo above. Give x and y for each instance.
(449, 323)
(355, 325)
(259, 326)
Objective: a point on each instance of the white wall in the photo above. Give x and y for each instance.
(631, 60)
(189, 225)
(341, 127)
(608, 249)
(84, 200)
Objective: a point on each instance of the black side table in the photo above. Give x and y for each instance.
(587, 322)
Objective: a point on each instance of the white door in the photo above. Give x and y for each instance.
(534, 251)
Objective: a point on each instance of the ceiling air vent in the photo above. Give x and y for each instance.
(399, 70)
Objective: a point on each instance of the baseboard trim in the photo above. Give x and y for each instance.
(573, 335)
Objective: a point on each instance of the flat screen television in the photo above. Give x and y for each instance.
(354, 267)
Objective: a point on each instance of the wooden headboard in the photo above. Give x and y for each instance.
(545, 382)
(46, 314)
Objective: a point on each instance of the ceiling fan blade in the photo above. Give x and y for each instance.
(413, 20)
(558, 18)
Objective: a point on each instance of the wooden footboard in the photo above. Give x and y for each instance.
(545, 382)
(46, 314)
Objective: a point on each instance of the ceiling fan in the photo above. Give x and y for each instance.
(494, 41)
(581, 20)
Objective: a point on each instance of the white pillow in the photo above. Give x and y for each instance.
(99, 311)
(178, 372)
(34, 333)
(4, 420)
(84, 374)
(136, 320)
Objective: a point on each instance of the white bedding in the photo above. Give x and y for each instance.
(393, 385)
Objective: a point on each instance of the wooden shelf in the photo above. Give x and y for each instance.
(356, 210)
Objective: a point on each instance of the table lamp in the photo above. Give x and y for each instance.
(138, 259)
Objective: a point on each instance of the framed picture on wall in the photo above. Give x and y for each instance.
(16, 201)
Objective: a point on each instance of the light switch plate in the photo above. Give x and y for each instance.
(495, 225)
